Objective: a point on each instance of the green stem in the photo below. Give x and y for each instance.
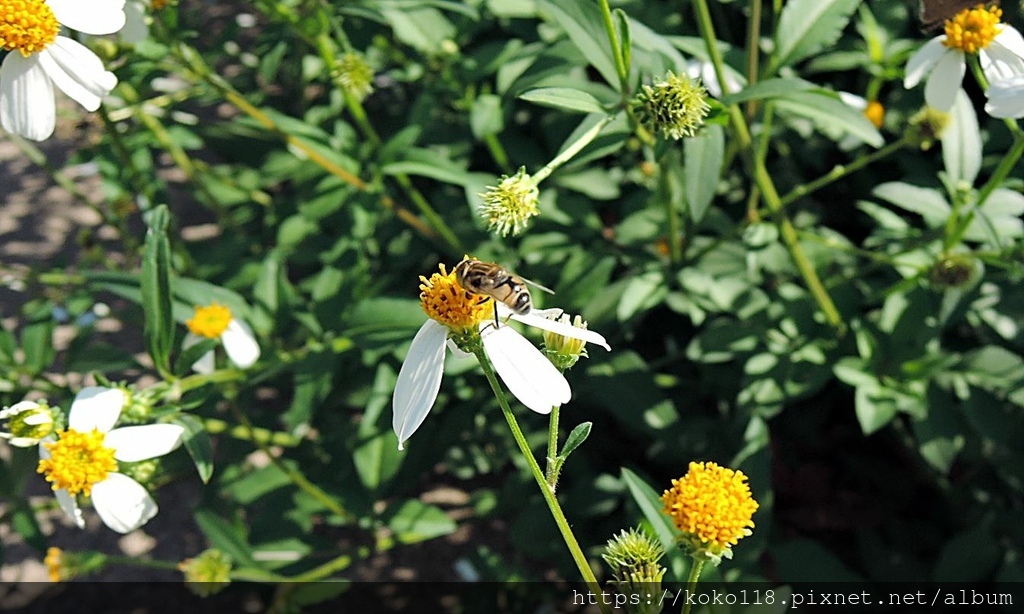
(840, 171)
(691, 582)
(617, 56)
(552, 459)
(549, 497)
(569, 152)
(765, 184)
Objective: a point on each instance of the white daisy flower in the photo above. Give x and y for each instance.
(83, 459)
(460, 318)
(216, 322)
(1006, 98)
(999, 46)
(39, 58)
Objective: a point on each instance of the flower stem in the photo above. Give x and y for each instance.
(552, 460)
(691, 582)
(569, 152)
(617, 55)
(764, 181)
(549, 496)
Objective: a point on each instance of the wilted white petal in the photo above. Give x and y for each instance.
(26, 98)
(96, 407)
(419, 380)
(527, 373)
(240, 344)
(561, 328)
(70, 507)
(1006, 98)
(922, 62)
(944, 82)
(77, 71)
(122, 503)
(136, 443)
(92, 17)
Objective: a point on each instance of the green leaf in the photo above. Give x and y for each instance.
(197, 442)
(961, 142)
(37, 341)
(582, 22)
(376, 454)
(427, 163)
(158, 327)
(968, 557)
(827, 111)
(651, 506)
(487, 116)
(424, 29)
(223, 536)
(702, 164)
(926, 202)
(769, 89)
(808, 26)
(564, 98)
(24, 523)
(575, 439)
(416, 521)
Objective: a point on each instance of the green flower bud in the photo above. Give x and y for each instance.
(208, 573)
(508, 206)
(675, 106)
(633, 557)
(563, 351)
(28, 422)
(354, 75)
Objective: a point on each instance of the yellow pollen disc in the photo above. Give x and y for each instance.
(77, 461)
(27, 26)
(971, 30)
(209, 321)
(711, 503)
(444, 300)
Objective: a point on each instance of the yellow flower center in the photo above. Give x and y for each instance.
(77, 461)
(711, 503)
(209, 321)
(54, 562)
(875, 113)
(973, 29)
(27, 25)
(445, 301)
(158, 4)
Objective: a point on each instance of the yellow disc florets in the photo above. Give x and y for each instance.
(209, 321)
(54, 562)
(973, 29)
(27, 26)
(445, 301)
(77, 461)
(712, 506)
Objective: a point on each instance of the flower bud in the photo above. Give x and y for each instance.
(633, 556)
(29, 422)
(508, 206)
(208, 573)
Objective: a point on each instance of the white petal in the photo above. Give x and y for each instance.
(92, 17)
(122, 503)
(26, 98)
(998, 63)
(527, 373)
(240, 344)
(418, 380)
(136, 443)
(70, 507)
(96, 407)
(17, 408)
(457, 351)
(1011, 40)
(1006, 98)
(922, 62)
(944, 81)
(853, 100)
(77, 71)
(205, 364)
(566, 330)
(136, 27)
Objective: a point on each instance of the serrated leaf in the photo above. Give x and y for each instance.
(224, 537)
(581, 20)
(808, 26)
(563, 98)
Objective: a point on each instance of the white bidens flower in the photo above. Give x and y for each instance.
(216, 322)
(39, 58)
(999, 47)
(467, 320)
(83, 459)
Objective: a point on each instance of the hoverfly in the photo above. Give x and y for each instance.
(494, 281)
